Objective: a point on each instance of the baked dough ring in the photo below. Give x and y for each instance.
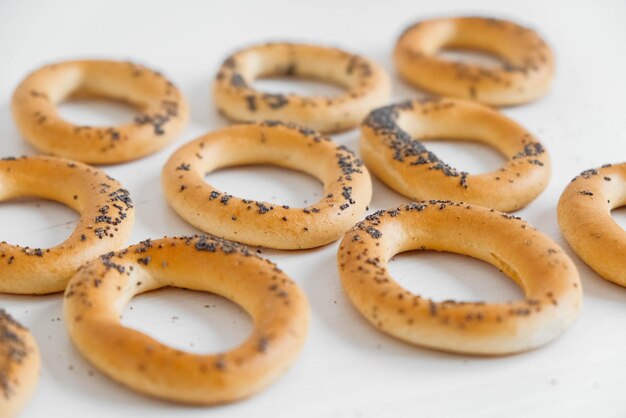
(526, 76)
(347, 186)
(546, 274)
(367, 84)
(19, 365)
(106, 220)
(584, 213)
(405, 164)
(96, 296)
(163, 111)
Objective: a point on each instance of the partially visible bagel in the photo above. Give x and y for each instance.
(106, 221)
(19, 365)
(584, 213)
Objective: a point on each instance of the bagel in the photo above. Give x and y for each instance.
(525, 76)
(106, 219)
(405, 164)
(347, 186)
(96, 296)
(367, 85)
(584, 213)
(19, 365)
(163, 111)
(547, 276)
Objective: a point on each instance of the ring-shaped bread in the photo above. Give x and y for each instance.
(19, 365)
(391, 149)
(96, 296)
(548, 277)
(526, 75)
(367, 86)
(106, 220)
(584, 214)
(163, 110)
(347, 186)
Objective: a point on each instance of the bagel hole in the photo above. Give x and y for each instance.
(472, 57)
(471, 156)
(268, 183)
(298, 86)
(619, 216)
(36, 223)
(454, 277)
(192, 321)
(96, 112)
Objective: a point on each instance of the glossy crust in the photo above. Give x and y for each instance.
(367, 86)
(526, 75)
(106, 220)
(547, 276)
(163, 111)
(584, 213)
(96, 296)
(392, 153)
(347, 186)
(19, 365)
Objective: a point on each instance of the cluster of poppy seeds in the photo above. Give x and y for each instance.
(107, 261)
(13, 350)
(531, 151)
(303, 130)
(252, 98)
(358, 65)
(111, 134)
(371, 221)
(213, 244)
(587, 174)
(112, 214)
(168, 110)
(40, 117)
(184, 167)
(203, 243)
(384, 122)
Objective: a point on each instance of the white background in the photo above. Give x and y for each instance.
(347, 369)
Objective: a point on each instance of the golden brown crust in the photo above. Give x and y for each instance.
(367, 85)
(163, 110)
(106, 220)
(546, 274)
(97, 294)
(526, 76)
(392, 153)
(347, 186)
(19, 365)
(584, 213)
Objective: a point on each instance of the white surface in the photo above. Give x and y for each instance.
(347, 369)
